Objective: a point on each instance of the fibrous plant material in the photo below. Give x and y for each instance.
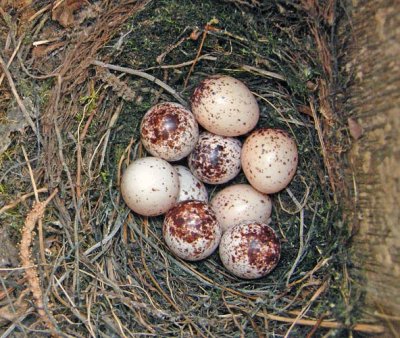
(114, 275)
(31, 273)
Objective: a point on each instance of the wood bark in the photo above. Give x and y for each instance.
(375, 158)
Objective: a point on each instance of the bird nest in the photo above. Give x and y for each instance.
(81, 75)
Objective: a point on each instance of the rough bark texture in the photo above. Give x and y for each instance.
(375, 103)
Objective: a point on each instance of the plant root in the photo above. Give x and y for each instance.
(33, 217)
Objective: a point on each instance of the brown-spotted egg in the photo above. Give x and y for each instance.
(224, 106)
(240, 203)
(190, 187)
(150, 186)
(215, 159)
(250, 250)
(191, 230)
(269, 159)
(169, 131)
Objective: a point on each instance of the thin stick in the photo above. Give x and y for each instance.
(304, 310)
(183, 64)
(324, 151)
(35, 191)
(360, 327)
(263, 72)
(40, 224)
(32, 218)
(143, 75)
(13, 204)
(40, 11)
(203, 38)
(12, 56)
(17, 97)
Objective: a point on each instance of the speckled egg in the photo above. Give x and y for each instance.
(191, 230)
(150, 186)
(250, 250)
(269, 159)
(169, 131)
(190, 187)
(224, 106)
(215, 159)
(240, 203)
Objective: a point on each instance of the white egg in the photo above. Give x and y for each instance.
(169, 130)
(190, 187)
(191, 230)
(224, 106)
(150, 186)
(250, 250)
(269, 159)
(215, 159)
(240, 203)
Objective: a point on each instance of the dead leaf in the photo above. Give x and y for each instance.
(304, 110)
(355, 128)
(64, 13)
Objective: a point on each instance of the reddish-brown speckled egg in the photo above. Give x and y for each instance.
(169, 131)
(240, 203)
(225, 106)
(269, 159)
(250, 250)
(191, 230)
(215, 159)
(150, 186)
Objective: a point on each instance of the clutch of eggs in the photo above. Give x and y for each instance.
(238, 214)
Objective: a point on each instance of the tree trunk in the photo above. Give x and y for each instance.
(375, 157)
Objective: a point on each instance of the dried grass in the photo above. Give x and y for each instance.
(108, 271)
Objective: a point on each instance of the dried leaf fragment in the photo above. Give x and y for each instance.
(64, 13)
(355, 128)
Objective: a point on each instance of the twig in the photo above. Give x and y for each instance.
(31, 174)
(203, 38)
(360, 327)
(105, 240)
(367, 328)
(170, 48)
(183, 64)
(17, 97)
(40, 224)
(13, 56)
(143, 75)
(301, 248)
(32, 218)
(324, 151)
(304, 310)
(40, 11)
(263, 72)
(13, 204)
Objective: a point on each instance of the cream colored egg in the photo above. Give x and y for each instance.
(240, 203)
(225, 106)
(250, 250)
(150, 186)
(190, 187)
(269, 159)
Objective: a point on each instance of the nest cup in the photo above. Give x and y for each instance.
(106, 271)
